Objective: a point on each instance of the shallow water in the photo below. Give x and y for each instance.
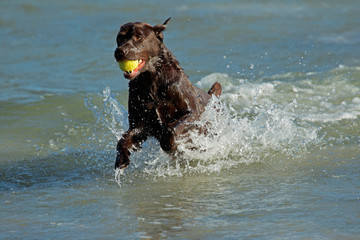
(281, 158)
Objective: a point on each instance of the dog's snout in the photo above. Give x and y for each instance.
(120, 53)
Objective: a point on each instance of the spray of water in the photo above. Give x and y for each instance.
(252, 122)
(253, 131)
(112, 114)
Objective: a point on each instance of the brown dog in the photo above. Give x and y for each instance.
(162, 101)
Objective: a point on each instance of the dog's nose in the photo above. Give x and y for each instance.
(119, 53)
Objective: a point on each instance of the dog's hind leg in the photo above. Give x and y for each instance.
(215, 89)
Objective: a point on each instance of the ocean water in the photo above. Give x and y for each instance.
(281, 158)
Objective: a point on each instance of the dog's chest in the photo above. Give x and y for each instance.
(150, 106)
(142, 101)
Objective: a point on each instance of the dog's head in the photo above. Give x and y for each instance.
(140, 42)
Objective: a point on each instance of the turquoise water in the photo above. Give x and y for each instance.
(281, 160)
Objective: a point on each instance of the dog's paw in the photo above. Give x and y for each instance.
(122, 161)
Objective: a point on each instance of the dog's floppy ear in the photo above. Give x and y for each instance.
(158, 29)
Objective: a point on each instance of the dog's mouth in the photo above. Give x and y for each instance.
(131, 68)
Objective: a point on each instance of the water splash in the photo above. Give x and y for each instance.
(252, 122)
(233, 139)
(112, 114)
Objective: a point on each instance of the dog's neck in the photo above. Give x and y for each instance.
(169, 65)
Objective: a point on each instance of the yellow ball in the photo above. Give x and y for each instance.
(128, 65)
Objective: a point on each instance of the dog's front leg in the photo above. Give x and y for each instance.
(131, 140)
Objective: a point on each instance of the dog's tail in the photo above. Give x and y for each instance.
(215, 89)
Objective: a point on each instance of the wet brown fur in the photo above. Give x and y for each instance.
(162, 101)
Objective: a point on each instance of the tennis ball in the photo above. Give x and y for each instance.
(128, 65)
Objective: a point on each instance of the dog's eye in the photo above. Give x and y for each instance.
(138, 37)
